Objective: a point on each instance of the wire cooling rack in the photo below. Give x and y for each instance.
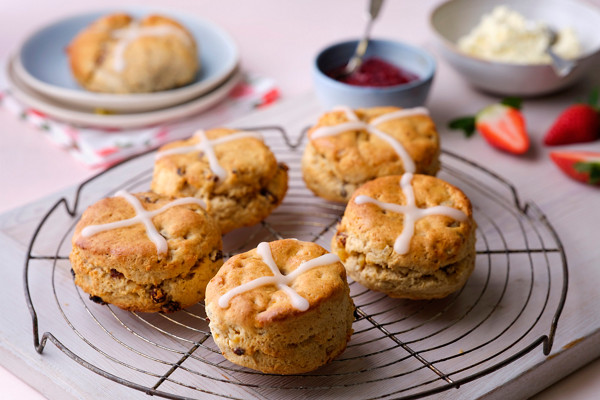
(400, 349)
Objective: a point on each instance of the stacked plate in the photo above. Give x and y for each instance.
(39, 76)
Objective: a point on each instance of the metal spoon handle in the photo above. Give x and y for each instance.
(561, 66)
(374, 7)
(356, 60)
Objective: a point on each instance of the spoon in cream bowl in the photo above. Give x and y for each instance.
(561, 66)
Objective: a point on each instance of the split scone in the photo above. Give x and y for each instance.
(347, 148)
(282, 308)
(409, 236)
(234, 172)
(117, 54)
(145, 252)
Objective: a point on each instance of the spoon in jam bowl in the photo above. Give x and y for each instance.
(361, 48)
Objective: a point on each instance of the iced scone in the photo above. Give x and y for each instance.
(118, 54)
(234, 172)
(409, 236)
(145, 252)
(347, 148)
(282, 308)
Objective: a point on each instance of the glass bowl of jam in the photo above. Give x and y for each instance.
(392, 74)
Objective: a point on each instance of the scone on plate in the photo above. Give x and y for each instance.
(117, 54)
(409, 236)
(234, 172)
(145, 252)
(347, 148)
(282, 308)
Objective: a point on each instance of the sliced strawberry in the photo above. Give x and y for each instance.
(583, 166)
(502, 125)
(577, 124)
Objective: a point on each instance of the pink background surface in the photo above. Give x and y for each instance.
(278, 39)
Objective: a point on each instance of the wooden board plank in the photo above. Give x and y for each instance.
(57, 376)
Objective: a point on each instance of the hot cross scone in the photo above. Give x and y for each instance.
(146, 252)
(118, 54)
(234, 172)
(347, 148)
(410, 236)
(281, 308)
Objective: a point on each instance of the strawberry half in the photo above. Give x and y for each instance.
(583, 166)
(501, 124)
(503, 127)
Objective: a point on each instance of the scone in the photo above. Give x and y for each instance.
(282, 308)
(409, 236)
(117, 54)
(347, 148)
(144, 252)
(234, 172)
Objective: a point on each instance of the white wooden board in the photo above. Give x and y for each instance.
(568, 206)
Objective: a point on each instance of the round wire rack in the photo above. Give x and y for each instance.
(400, 349)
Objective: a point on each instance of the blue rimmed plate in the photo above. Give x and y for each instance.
(42, 64)
(81, 117)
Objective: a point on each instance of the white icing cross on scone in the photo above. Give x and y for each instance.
(282, 282)
(142, 217)
(411, 212)
(355, 124)
(205, 146)
(126, 36)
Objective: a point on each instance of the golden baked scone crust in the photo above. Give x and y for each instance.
(334, 166)
(122, 266)
(410, 283)
(254, 186)
(262, 330)
(148, 63)
(441, 250)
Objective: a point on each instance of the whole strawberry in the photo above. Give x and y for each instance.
(577, 124)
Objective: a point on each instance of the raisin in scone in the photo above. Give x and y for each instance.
(347, 148)
(234, 172)
(146, 252)
(117, 54)
(282, 308)
(409, 236)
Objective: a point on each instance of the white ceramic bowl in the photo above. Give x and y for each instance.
(453, 19)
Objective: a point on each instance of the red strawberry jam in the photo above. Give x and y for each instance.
(375, 72)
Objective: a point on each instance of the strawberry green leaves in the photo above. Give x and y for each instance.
(467, 124)
(513, 102)
(590, 168)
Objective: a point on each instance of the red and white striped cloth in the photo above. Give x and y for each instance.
(100, 148)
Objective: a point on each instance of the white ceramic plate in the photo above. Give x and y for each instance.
(42, 64)
(49, 107)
